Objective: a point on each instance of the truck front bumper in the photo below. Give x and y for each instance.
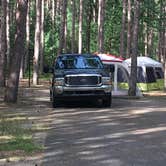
(97, 91)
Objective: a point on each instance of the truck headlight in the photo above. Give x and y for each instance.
(106, 80)
(59, 82)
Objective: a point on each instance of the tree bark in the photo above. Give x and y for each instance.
(122, 34)
(62, 27)
(89, 20)
(73, 25)
(129, 29)
(133, 75)
(8, 32)
(42, 37)
(27, 56)
(80, 28)
(101, 26)
(13, 81)
(37, 44)
(3, 46)
(150, 42)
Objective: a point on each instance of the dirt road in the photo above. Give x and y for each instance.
(131, 133)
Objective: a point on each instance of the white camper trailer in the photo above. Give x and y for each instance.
(120, 75)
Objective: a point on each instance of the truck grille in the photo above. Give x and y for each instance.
(83, 80)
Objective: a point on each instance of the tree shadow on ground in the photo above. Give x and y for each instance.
(132, 132)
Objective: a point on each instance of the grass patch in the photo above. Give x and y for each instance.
(26, 145)
(14, 137)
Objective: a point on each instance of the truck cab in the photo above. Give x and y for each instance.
(80, 76)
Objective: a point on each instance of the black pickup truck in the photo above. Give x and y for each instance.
(80, 76)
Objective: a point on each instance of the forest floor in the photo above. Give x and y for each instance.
(34, 112)
(29, 113)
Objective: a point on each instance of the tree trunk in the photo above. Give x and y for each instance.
(53, 11)
(27, 56)
(22, 66)
(8, 33)
(133, 75)
(146, 37)
(122, 34)
(62, 27)
(129, 29)
(3, 46)
(13, 81)
(101, 26)
(73, 25)
(89, 20)
(65, 36)
(150, 42)
(37, 44)
(95, 11)
(80, 28)
(161, 34)
(42, 38)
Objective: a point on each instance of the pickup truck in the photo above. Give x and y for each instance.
(80, 76)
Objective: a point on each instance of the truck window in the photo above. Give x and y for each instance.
(78, 62)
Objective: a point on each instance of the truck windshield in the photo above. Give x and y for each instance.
(78, 62)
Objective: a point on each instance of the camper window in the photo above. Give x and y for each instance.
(159, 73)
(150, 75)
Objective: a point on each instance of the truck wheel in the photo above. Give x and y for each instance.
(54, 101)
(107, 102)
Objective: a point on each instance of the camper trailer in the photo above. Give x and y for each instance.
(150, 75)
(120, 76)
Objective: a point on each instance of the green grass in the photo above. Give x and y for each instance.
(25, 144)
(14, 137)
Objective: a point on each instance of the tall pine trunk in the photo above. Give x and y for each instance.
(42, 38)
(62, 27)
(8, 32)
(133, 74)
(122, 34)
(27, 56)
(3, 47)
(13, 81)
(101, 26)
(88, 31)
(73, 26)
(80, 28)
(129, 29)
(37, 44)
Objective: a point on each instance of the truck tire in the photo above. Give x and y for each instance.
(107, 101)
(54, 101)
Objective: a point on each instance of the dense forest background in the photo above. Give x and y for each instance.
(34, 32)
